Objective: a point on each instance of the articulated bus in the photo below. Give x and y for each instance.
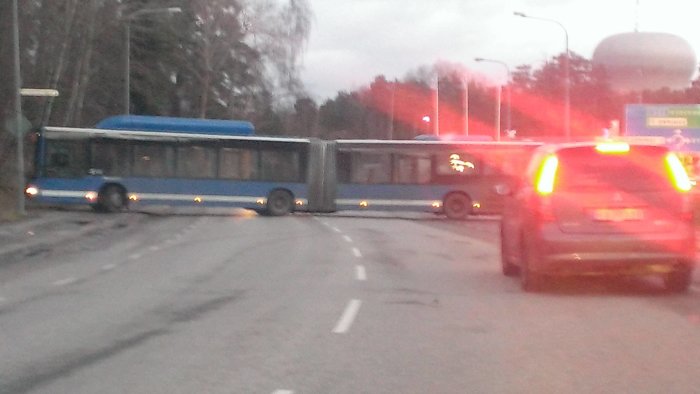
(111, 170)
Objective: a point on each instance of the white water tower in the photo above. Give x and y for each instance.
(640, 61)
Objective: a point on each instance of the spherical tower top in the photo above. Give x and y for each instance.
(646, 61)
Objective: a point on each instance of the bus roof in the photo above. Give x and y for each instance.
(177, 125)
(77, 133)
(418, 143)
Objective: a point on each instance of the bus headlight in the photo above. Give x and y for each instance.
(31, 191)
(91, 196)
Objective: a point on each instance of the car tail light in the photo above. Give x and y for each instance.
(547, 175)
(677, 173)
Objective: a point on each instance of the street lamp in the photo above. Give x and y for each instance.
(127, 68)
(508, 112)
(567, 81)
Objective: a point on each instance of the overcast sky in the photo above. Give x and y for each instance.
(352, 41)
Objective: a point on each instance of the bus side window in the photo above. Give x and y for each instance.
(151, 160)
(411, 169)
(280, 165)
(110, 158)
(67, 159)
(371, 168)
(241, 164)
(196, 162)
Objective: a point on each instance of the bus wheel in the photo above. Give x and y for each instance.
(112, 199)
(279, 203)
(457, 206)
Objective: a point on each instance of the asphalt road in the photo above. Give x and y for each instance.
(327, 304)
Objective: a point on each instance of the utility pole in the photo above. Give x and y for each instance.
(18, 111)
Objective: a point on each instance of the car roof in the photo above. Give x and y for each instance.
(555, 147)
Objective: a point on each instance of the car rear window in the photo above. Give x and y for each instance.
(643, 168)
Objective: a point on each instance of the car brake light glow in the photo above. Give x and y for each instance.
(613, 147)
(547, 175)
(680, 178)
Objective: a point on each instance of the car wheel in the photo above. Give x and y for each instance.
(678, 281)
(507, 267)
(457, 206)
(112, 199)
(279, 203)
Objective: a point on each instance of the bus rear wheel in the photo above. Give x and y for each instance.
(279, 203)
(457, 206)
(111, 199)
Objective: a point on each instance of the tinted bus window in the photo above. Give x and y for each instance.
(412, 169)
(239, 164)
(196, 162)
(279, 165)
(66, 159)
(152, 160)
(111, 158)
(370, 168)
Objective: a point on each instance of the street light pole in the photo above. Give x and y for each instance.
(508, 87)
(567, 77)
(127, 48)
(18, 111)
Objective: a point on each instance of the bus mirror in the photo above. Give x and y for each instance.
(503, 189)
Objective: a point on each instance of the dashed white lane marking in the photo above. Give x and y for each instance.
(65, 282)
(348, 317)
(108, 267)
(154, 248)
(360, 272)
(347, 239)
(283, 392)
(135, 256)
(336, 229)
(356, 252)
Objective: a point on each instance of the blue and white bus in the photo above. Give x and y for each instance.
(112, 169)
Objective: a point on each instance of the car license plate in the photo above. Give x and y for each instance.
(617, 214)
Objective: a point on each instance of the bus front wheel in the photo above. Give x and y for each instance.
(457, 206)
(112, 199)
(279, 203)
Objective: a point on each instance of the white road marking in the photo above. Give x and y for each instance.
(356, 252)
(135, 256)
(348, 317)
(347, 239)
(283, 392)
(108, 267)
(360, 272)
(65, 282)
(154, 248)
(336, 229)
